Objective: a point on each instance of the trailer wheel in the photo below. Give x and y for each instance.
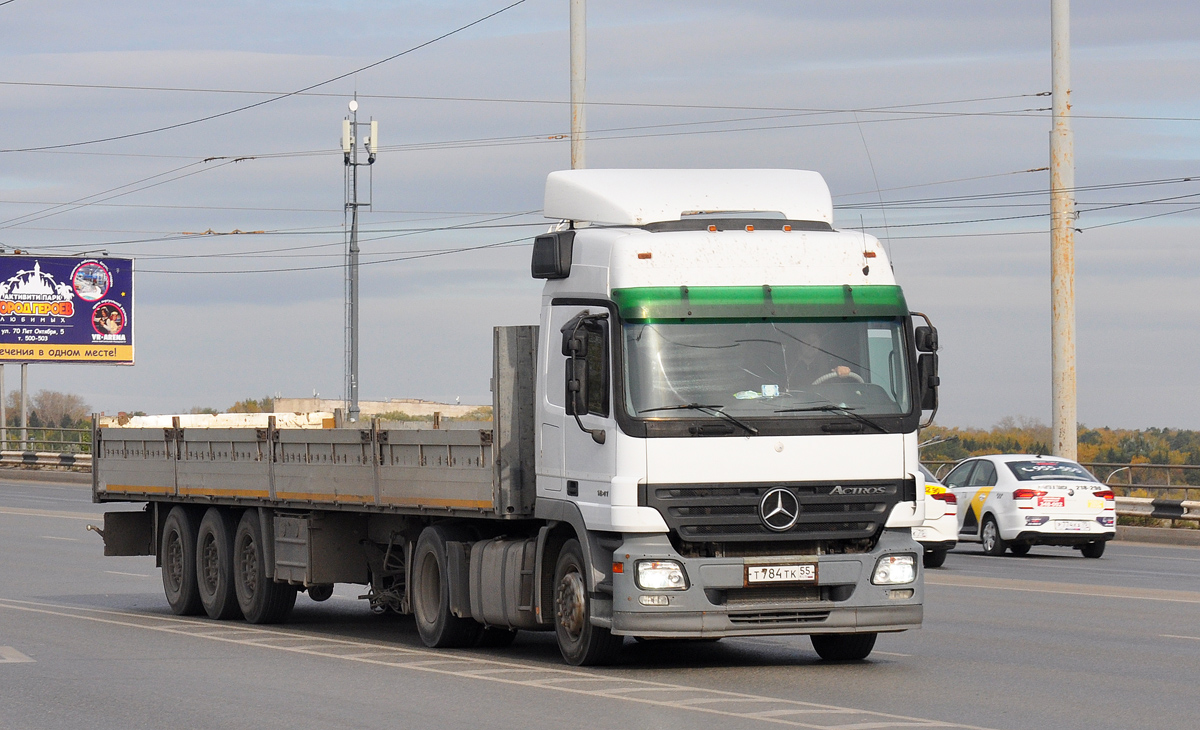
(262, 600)
(431, 594)
(179, 563)
(214, 565)
(581, 642)
(843, 647)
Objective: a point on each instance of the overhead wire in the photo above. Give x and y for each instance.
(273, 99)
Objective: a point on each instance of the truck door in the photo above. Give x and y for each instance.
(582, 354)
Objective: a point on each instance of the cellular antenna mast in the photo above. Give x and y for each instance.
(350, 147)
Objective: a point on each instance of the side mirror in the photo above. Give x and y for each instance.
(928, 380)
(552, 255)
(926, 339)
(576, 335)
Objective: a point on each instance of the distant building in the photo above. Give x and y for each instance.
(369, 408)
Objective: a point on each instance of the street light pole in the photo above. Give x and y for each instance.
(1064, 418)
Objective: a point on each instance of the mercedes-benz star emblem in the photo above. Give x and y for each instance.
(779, 509)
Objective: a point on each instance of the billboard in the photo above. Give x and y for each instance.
(66, 309)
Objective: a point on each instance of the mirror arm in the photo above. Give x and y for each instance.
(597, 434)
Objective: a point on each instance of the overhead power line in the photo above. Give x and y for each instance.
(273, 99)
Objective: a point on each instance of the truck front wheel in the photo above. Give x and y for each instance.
(431, 594)
(843, 647)
(580, 642)
(179, 563)
(262, 600)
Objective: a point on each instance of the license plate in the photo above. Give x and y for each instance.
(920, 533)
(1052, 502)
(801, 573)
(1070, 525)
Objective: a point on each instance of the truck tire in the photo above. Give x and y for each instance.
(431, 594)
(178, 556)
(262, 600)
(843, 647)
(214, 565)
(1093, 549)
(989, 535)
(581, 642)
(934, 558)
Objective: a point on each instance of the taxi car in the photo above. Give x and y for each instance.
(1016, 501)
(938, 533)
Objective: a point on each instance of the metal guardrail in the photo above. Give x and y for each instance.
(1159, 509)
(43, 459)
(46, 439)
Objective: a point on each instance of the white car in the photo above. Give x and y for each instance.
(938, 533)
(1016, 501)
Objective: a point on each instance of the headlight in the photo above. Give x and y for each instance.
(661, 575)
(895, 569)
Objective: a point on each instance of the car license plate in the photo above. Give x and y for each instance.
(801, 573)
(920, 533)
(1070, 525)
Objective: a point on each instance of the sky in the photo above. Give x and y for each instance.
(926, 119)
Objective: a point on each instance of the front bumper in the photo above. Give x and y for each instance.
(717, 602)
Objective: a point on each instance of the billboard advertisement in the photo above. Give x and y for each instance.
(66, 309)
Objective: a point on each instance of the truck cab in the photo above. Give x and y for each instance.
(728, 397)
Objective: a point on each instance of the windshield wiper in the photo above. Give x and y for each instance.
(833, 408)
(712, 409)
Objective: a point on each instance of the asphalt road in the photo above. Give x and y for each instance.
(1052, 640)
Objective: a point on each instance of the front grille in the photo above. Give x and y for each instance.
(776, 618)
(722, 513)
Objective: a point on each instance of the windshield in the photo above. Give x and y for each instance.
(1030, 470)
(781, 369)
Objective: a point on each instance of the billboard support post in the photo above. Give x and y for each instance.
(24, 406)
(3, 411)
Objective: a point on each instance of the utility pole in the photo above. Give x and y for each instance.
(1064, 418)
(350, 147)
(578, 81)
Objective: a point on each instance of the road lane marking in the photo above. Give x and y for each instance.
(757, 708)
(132, 575)
(64, 539)
(51, 513)
(891, 653)
(1173, 636)
(1065, 589)
(9, 655)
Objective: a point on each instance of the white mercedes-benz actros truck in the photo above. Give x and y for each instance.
(712, 432)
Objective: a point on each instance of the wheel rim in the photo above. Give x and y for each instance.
(209, 563)
(569, 604)
(248, 566)
(173, 562)
(989, 536)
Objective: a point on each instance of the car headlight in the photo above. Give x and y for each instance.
(895, 569)
(660, 575)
